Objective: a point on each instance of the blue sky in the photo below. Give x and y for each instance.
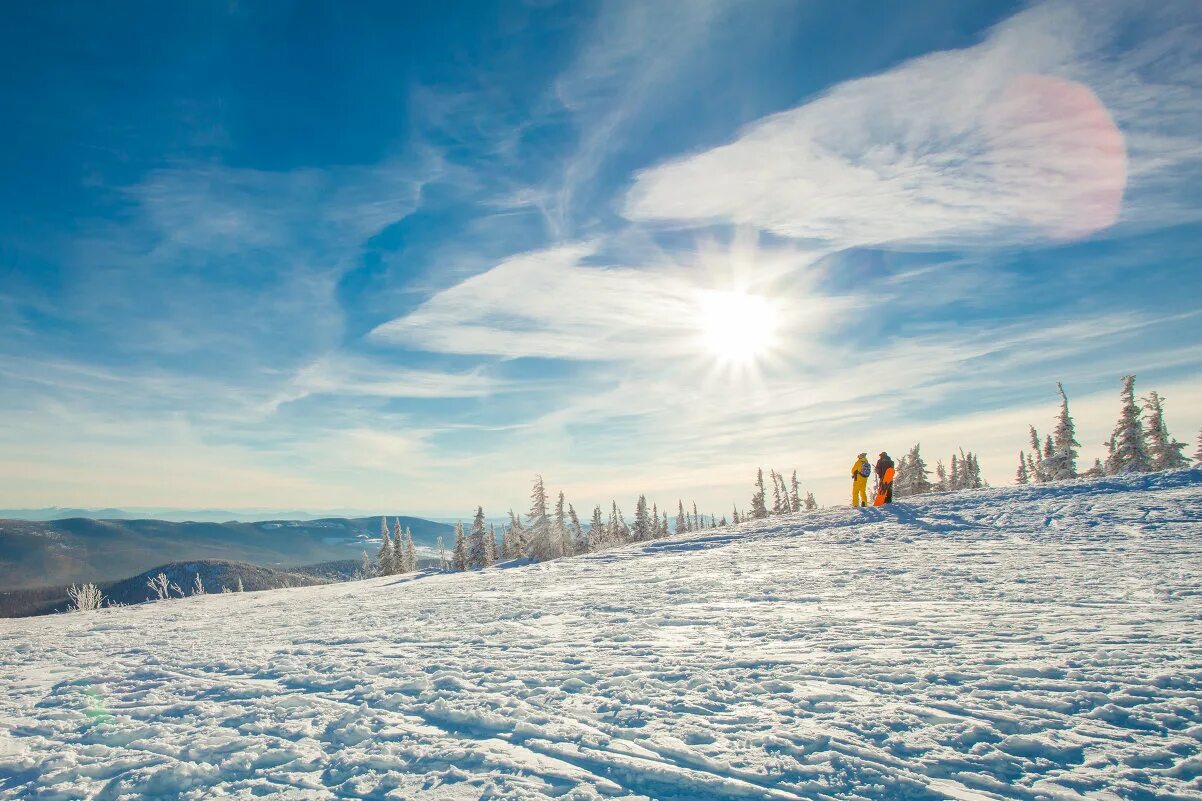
(403, 257)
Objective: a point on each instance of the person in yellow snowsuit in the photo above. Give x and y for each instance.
(859, 480)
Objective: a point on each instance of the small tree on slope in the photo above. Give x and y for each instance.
(385, 562)
(400, 556)
(1035, 467)
(477, 550)
(642, 523)
(917, 476)
(490, 545)
(1063, 462)
(515, 537)
(596, 532)
(1164, 452)
(410, 552)
(85, 598)
(538, 525)
(1021, 476)
(459, 555)
(682, 522)
(1198, 453)
(1129, 453)
(759, 506)
(794, 494)
(578, 539)
(560, 541)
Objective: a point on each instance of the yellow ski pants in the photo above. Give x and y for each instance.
(859, 491)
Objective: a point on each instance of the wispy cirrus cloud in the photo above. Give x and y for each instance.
(1031, 136)
(554, 304)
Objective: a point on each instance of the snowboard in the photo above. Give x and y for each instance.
(886, 480)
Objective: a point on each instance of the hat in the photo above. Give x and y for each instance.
(862, 455)
(884, 454)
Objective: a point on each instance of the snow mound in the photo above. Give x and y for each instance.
(1033, 643)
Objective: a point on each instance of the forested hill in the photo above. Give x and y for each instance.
(55, 552)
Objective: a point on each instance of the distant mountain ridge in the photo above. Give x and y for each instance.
(179, 515)
(58, 552)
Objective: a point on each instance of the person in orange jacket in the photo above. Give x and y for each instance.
(860, 472)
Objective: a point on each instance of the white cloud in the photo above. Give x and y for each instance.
(1004, 142)
(346, 375)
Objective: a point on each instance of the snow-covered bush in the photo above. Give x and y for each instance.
(85, 598)
(162, 587)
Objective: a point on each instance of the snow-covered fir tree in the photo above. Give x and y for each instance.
(941, 475)
(539, 543)
(410, 552)
(386, 557)
(477, 549)
(1035, 470)
(560, 536)
(490, 545)
(641, 531)
(1021, 476)
(198, 585)
(459, 557)
(970, 469)
(899, 472)
(576, 532)
(663, 525)
(1164, 452)
(515, 537)
(617, 532)
(365, 568)
(1198, 453)
(505, 547)
(953, 478)
(444, 562)
(917, 475)
(696, 518)
(1061, 463)
(654, 521)
(1130, 451)
(734, 512)
(596, 532)
(811, 503)
(400, 556)
(759, 504)
(777, 502)
(794, 495)
(682, 521)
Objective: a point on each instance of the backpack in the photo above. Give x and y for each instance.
(865, 469)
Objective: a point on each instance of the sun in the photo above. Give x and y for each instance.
(737, 327)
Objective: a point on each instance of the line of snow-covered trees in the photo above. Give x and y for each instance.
(785, 498)
(1137, 445)
(911, 476)
(551, 531)
(397, 553)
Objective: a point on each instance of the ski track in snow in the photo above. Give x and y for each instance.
(1027, 643)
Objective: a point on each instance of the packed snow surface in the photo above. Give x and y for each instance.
(1030, 643)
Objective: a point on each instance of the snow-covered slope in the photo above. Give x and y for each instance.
(1024, 643)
